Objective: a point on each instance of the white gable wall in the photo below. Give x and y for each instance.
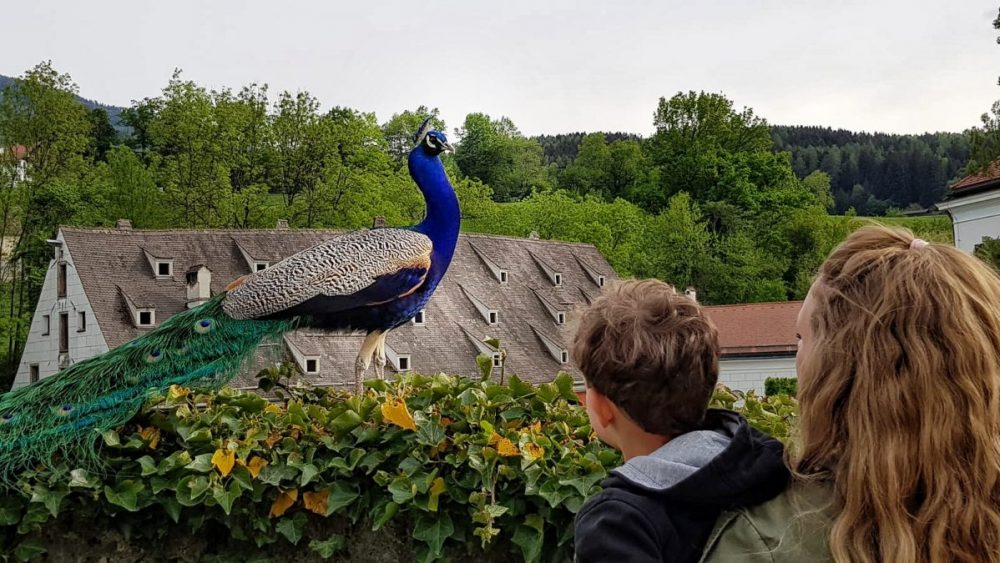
(974, 217)
(749, 373)
(42, 349)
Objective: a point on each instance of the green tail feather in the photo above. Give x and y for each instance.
(65, 413)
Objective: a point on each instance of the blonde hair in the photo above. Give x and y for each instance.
(900, 400)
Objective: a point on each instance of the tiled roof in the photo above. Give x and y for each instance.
(990, 177)
(756, 329)
(106, 258)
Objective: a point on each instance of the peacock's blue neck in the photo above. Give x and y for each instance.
(443, 218)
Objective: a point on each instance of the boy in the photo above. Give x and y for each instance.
(650, 358)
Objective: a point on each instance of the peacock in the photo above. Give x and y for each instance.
(369, 280)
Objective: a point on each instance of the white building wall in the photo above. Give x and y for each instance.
(749, 373)
(974, 217)
(42, 349)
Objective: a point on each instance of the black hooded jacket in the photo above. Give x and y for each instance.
(662, 506)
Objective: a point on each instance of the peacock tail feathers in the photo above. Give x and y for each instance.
(65, 414)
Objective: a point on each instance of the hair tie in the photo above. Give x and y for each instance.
(917, 244)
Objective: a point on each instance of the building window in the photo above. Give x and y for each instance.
(61, 282)
(503, 276)
(494, 317)
(164, 269)
(63, 333)
(557, 279)
(33, 373)
(259, 266)
(145, 318)
(81, 321)
(404, 363)
(418, 319)
(563, 356)
(312, 365)
(46, 325)
(560, 318)
(496, 360)
(600, 281)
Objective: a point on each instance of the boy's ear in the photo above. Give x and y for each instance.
(601, 406)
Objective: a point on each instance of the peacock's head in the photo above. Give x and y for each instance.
(433, 142)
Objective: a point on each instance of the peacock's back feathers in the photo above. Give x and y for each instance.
(65, 413)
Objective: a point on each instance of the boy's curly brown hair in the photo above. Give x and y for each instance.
(652, 352)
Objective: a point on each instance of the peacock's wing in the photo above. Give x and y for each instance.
(66, 412)
(356, 269)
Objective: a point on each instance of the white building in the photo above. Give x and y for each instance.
(973, 204)
(757, 341)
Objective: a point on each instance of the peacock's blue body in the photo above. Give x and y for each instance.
(370, 281)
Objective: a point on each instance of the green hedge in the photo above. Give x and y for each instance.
(781, 386)
(418, 469)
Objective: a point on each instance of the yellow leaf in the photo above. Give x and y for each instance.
(284, 501)
(177, 392)
(151, 435)
(537, 427)
(445, 421)
(255, 464)
(437, 487)
(316, 502)
(494, 439)
(272, 408)
(532, 451)
(395, 411)
(224, 459)
(506, 448)
(273, 439)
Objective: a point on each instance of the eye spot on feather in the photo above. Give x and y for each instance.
(6, 417)
(154, 357)
(203, 326)
(63, 410)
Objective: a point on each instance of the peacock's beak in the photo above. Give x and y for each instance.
(446, 147)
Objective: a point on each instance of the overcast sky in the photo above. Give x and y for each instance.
(552, 66)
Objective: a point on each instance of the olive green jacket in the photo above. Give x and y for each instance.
(793, 526)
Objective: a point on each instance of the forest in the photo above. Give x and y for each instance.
(715, 199)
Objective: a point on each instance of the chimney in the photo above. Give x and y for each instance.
(123, 225)
(379, 222)
(199, 285)
(691, 294)
(282, 225)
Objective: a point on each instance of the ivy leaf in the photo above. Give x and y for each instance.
(226, 497)
(284, 501)
(402, 490)
(530, 537)
(83, 479)
(201, 463)
(347, 421)
(316, 501)
(172, 508)
(29, 549)
(341, 495)
(429, 431)
(385, 514)
(10, 511)
(111, 438)
(190, 489)
(434, 531)
(148, 465)
(326, 548)
(292, 528)
(223, 460)
(308, 472)
(437, 487)
(51, 499)
(564, 383)
(124, 494)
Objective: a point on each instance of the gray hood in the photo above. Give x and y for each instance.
(678, 459)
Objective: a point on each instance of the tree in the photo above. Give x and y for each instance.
(137, 118)
(38, 111)
(104, 135)
(818, 184)
(495, 152)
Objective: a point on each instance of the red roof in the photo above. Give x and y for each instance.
(19, 151)
(979, 179)
(756, 329)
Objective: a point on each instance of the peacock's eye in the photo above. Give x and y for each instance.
(154, 356)
(64, 410)
(6, 417)
(203, 326)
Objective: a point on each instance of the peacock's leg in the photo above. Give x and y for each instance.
(380, 356)
(364, 359)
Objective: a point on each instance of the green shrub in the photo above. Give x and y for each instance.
(781, 386)
(422, 468)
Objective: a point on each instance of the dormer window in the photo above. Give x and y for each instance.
(164, 269)
(494, 317)
(488, 260)
(560, 318)
(312, 365)
(145, 317)
(497, 360)
(404, 362)
(557, 280)
(600, 281)
(564, 356)
(260, 266)
(418, 319)
(503, 277)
